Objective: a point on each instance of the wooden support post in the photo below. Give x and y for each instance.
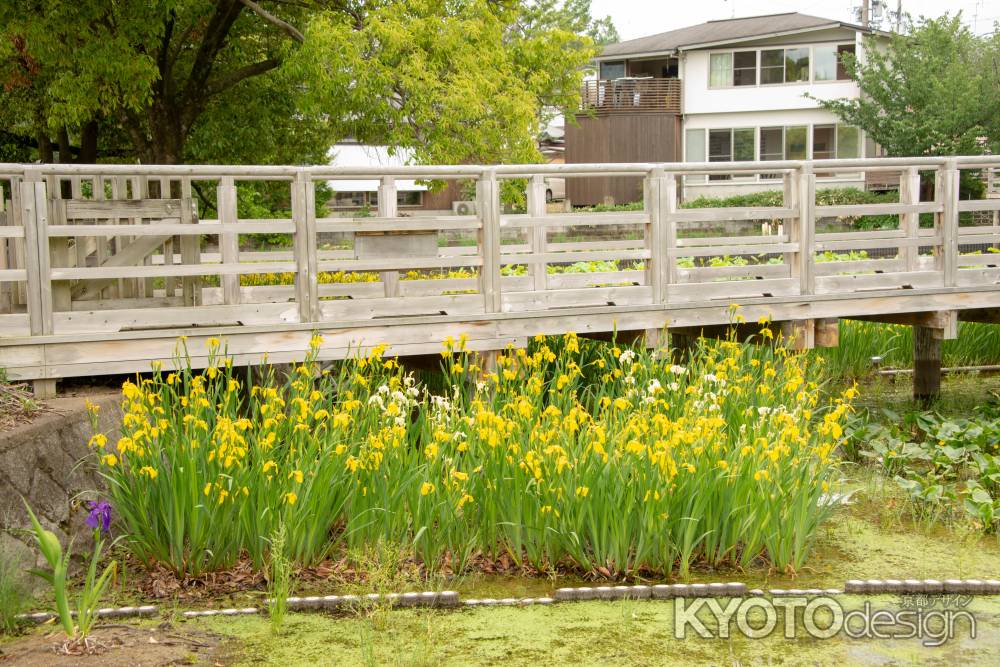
(827, 332)
(799, 335)
(488, 206)
(387, 208)
(669, 205)
(806, 256)
(655, 192)
(43, 388)
(949, 223)
(682, 344)
(59, 253)
(306, 276)
(926, 363)
(34, 215)
(536, 208)
(229, 243)
(790, 199)
(190, 246)
(909, 193)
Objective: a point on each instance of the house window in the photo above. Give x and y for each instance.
(848, 142)
(828, 62)
(409, 198)
(745, 68)
(772, 66)
(796, 142)
(784, 65)
(796, 64)
(772, 143)
(824, 142)
(730, 145)
(720, 70)
(613, 70)
(694, 151)
(732, 69)
(842, 73)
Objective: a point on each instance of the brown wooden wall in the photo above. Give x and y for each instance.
(619, 137)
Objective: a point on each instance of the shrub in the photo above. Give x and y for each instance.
(572, 453)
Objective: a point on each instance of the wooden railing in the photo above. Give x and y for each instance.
(103, 266)
(631, 95)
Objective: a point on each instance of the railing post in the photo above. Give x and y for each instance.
(387, 208)
(228, 241)
(909, 194)
(306, 264)
(806, 259)
(190, 245)
(34, 217)
(656, 197)
(949, 223)
(536, 208)
(488, 206)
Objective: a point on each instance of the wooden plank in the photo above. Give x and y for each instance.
(394, 224)
(387, 208)
(883, 242)
(749, 241)
(858, 210)
(574, 219)
(89, 209)
(718, 251)
(979, 205)
(949, 224)
(806, 253)
(35, 274)
(488, 206)
(730, 290)
(571, 257)
(880, 281)
(572, 298)
(307, 266)
(228, 241)
(539, 234)
(176, 270)
(734, 214)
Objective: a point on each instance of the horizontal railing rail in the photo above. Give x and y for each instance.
(111, 252)
(631, 95)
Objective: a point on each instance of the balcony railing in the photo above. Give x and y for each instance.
(631, 95)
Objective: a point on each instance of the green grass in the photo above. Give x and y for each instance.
(977, 344)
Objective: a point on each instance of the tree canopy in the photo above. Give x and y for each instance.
(258, 81)
(933, 91)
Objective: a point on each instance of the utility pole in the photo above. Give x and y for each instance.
(865, 13)
(899, 15)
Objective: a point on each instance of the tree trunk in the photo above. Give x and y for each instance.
(65, 152)
(44, 147)
(88, 143)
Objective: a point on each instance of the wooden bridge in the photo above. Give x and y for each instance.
(103, 267)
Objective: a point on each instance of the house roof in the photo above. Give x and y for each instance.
(721, 32)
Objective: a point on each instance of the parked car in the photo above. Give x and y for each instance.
(555, 189)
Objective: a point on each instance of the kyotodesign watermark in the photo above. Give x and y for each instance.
(823, 617)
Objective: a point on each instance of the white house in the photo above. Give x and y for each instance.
(721, 91)
(362, 193)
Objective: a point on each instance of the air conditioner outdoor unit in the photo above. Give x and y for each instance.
(463, 207)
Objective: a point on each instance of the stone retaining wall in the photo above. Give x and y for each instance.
(42, 461)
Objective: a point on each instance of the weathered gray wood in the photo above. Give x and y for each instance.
(307, 265)
(488, 205)
(909, 194)
(228, 241)
(949, 224)
(806, 251)
(536, 207)
(89, 209)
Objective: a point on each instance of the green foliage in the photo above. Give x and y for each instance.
(860, 341)
(572, 452)
(279, 579)
(14, 593)
(52, 551)
(280, 82)
(933, 91)
(946, 466)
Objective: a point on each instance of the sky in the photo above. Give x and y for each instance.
(637, 18)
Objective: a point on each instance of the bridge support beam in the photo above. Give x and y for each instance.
(926, 363)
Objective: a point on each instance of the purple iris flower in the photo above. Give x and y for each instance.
(100, 515)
